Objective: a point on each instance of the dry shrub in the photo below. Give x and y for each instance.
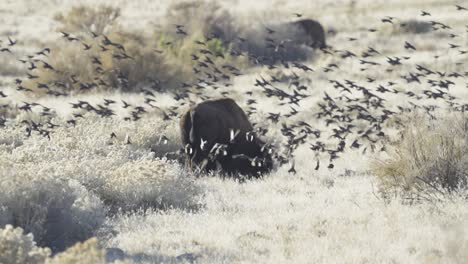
(10, 68)
(149, 184)
(77, 72)
(58, 212)
(202, 17)
(85, 19)
(86, 252)
(106, 172)
(158, 60)
(180, 51)
(17, 247)
(430, 158)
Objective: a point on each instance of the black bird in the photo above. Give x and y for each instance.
(103, 48)
(22, 88)
(269, 30)
(32, 67)
(26, 107)
(394, 61)
(200, 42)
(291, 168)
(409, 46)
(108, 102)
(121, 56)
(43, 52)
(71, 122)
(42, 86)
(45, 65)
(387, 20)
(73, 79)
(125, 104)
(11, 42)
(460, 8)
(163, 139)
(51, 125)
(96, 61)
(355, 144)
(86, 46)
(71, 39)
(180, 31)
(424, 13)
(30, 76)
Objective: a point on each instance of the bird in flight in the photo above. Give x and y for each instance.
(424, 13)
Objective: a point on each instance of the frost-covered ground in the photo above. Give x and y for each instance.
(144, 208)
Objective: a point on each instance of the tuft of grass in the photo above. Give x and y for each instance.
(430, 158)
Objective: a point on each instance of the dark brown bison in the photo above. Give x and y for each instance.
(279, 41)
(313, 31)
(216, 134)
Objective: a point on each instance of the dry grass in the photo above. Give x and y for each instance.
(429, 159)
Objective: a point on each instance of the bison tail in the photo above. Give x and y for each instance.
(192, 133)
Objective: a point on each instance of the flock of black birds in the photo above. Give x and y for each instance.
(355, 118)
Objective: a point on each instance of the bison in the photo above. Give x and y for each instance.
(312, 31)
(217, 135)
(282, 41)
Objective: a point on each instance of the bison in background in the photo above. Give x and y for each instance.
(217, 135)
(282, 41)
(312, 31)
